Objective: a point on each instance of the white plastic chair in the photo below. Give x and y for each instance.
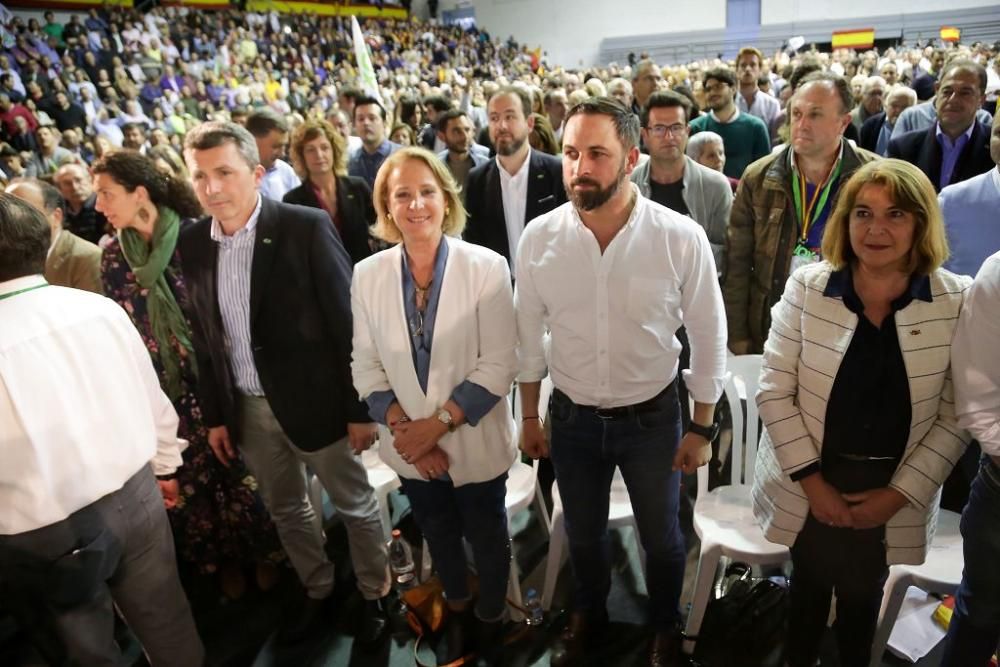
(723, 517)
(522, 490)
(619, 514)
(940, 573)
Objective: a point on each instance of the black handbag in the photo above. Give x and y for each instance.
(746, 626)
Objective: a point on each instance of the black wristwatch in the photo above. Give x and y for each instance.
(169, 477)
(710, 433)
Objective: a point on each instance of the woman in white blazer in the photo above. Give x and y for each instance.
(434, 357)
(857, 403)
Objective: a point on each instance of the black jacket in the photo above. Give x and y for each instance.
(354, 208)
(870, 130)
(300, 325)
(486, 225)
(921, 148)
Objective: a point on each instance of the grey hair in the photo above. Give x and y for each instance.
(696, 144)
(904, 91)
(217, 133)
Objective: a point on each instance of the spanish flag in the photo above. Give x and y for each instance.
(862, 38)
(950, 33)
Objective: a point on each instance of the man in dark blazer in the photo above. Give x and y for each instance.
(957, 146)
(505, 194)
(870, 130)
(269, 284)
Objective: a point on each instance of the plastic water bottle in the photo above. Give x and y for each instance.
(401, 562)
(534, 615)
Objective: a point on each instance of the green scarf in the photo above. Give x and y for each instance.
(148, 262)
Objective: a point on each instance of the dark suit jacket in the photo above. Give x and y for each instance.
(486, 225)
(921, 148)
(300, 325)
(870, 130)
(354, 208)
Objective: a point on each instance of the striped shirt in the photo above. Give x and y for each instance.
(233, 284)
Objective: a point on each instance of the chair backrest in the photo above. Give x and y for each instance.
(741, 390)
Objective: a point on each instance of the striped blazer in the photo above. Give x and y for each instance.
(809, 335)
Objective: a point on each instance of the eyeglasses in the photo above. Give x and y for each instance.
(675, 130)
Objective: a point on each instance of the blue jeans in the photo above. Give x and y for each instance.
(446, 513)
(585, 450)
(975, 625)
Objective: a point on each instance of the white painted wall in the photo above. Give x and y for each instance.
(571, 30)
(843, 12)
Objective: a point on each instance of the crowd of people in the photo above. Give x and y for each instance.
(302, 269)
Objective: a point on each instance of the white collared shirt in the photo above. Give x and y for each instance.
(278, 180)
(975, 365)
(514, 192)
(81, 408)
(613, 316)
(764, 106)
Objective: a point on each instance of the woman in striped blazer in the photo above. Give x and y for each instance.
(857, 403)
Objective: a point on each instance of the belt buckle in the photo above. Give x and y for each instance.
(604, 413)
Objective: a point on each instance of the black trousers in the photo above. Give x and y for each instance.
(842, 560)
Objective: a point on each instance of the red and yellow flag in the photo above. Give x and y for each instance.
(862, 38)
(950, 33)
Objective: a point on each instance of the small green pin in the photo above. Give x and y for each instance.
(266, 240)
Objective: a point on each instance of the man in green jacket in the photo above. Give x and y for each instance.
(782, 204)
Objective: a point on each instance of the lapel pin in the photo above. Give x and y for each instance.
(914, 332)
(539, 176)
(266, 240)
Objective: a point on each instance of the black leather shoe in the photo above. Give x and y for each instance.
(452, 644)
(489, 643)
(665, 650)
(305, 621)
(583, 631)
(374, 620)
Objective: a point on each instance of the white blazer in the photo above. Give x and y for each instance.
(810, 334)
(475, 339)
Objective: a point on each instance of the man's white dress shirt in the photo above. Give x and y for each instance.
(81, 408)
(514, 193)
(613, 316)
(278, 180)
(975, 362)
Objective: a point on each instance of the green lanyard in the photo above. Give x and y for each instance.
(808, 216)
(22, 291)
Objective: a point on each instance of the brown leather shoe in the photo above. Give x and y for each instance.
(665, 650)
(582, 631)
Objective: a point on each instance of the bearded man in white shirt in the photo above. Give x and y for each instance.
(612, 276)
(84, 427)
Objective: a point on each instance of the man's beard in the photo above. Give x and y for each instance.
(592, 199)
(512, 147)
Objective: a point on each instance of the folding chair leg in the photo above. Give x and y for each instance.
(708, 563)
(892, 601)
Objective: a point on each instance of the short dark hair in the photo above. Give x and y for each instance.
(837, 83)
(24, 238)
(626, 122)
(51, 198)
(447, 117)
(128, 126)
(723, 74)
(365, 100)
(351, 93)
(802, 70)
(665, 99)
(437, 102)
(261, 122)
(519, 93)
(965, 63)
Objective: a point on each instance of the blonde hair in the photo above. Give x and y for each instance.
(911, 191)
(314, 129)
(454, 217)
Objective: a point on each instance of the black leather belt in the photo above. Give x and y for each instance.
(624, 411)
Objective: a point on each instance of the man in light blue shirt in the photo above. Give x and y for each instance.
(970, 216)
(369, 124)
(270, 132)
